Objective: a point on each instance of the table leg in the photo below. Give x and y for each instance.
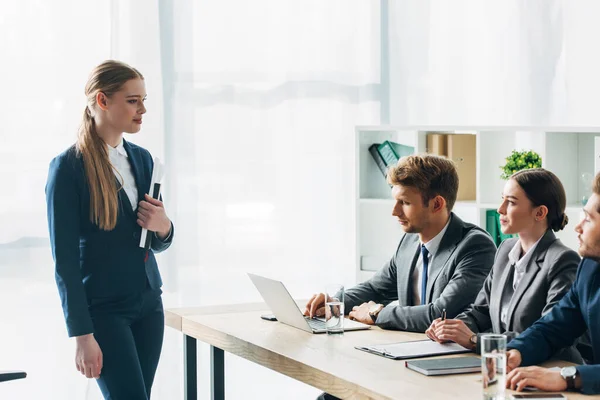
(190, 385)
(217, 373)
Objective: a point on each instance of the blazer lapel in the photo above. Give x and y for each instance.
(137, 167)
(404, 268)
(452, 237)
(533, 267)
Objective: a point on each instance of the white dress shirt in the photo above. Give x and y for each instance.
(124, 173)
(520, 264)
(122, 168)
(432, 247)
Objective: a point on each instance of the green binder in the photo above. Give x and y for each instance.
(491, 225)
(378, 159)
(392, 152)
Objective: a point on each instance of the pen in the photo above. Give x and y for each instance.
(444, 314)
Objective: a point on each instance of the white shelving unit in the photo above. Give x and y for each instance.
(569, 152)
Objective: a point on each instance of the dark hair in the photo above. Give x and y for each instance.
(429, 174)
(542, 187)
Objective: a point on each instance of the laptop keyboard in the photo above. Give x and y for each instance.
(319, 323)
(316, 323)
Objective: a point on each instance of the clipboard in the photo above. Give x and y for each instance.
(413, 349)
(154, 192)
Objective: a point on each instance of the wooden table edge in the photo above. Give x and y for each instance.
(277, 362)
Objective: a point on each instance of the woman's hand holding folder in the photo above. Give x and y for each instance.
(152, 216)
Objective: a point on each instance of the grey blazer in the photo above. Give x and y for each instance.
(549, 275)
(456, 275)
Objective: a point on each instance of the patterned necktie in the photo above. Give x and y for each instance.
(425, 255)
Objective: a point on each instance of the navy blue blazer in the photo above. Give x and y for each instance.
(577, 311)
(91, 263)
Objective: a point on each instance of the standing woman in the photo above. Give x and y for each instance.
(97, 205)
(530, 274)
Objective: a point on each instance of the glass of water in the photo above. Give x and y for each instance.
(334, 309)
(493, 366)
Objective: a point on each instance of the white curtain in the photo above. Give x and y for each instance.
(509, 62)
(251, 105)
(261, 99)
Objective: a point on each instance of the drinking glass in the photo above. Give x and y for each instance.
(334, 309)
(493, 366)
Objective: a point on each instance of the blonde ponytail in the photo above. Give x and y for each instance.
(104, 201)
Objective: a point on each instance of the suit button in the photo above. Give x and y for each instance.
(136, 236)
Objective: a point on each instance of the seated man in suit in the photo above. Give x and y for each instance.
(578, 310)
(441, 261)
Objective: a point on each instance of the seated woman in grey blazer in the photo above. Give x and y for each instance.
(530, 274)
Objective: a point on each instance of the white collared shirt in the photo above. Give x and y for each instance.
(432, 247)
(123, 172)
(520, 265)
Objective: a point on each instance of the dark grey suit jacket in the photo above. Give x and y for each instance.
(550, 273)
(456, 274)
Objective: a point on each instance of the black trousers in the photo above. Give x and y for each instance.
(129, 331)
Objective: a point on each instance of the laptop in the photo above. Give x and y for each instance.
(286, 310)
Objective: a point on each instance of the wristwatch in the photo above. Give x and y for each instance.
(473, 340)
(374, 311)
(569, 374)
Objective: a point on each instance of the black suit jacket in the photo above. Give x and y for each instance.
(576, 312)
(91, 263)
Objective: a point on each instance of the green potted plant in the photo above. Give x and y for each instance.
(519, 160)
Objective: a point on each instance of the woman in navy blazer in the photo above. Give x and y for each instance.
(97, 206)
